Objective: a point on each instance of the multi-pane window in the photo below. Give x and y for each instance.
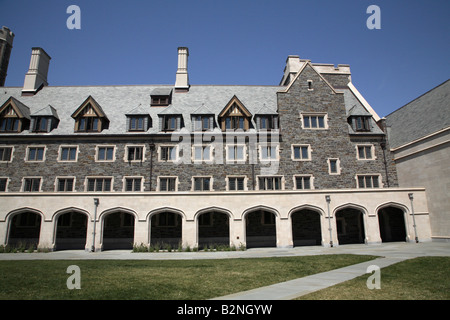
(267, 122)
(303, 182)
(105, 153)
(88, 124)
(167, 153)
(99, 184)
(270, 183)
(203, 123)
(133, 184)
(368, 181)
(234, 123)
(314, 122)
(65, 184)
(166, 219)
(3, 184)
(35, 154)
(334, 166)
(269, 152)
(365, 152)
(170, 122)
(236, 183)
(68, 153)
(135, 153)
(301, 152)
(236, 153)
(362, 123)
(137, 123)
(5, 153)
(202, 183)
(9, 124)
(202, 153)
(31, 184)
(167, 184)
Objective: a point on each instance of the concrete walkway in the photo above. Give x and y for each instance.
(389, 253)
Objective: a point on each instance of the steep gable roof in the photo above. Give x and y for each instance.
(240, 105)
(90, 101)
(20, 109)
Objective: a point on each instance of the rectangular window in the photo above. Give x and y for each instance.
(314, 121)
(365, 152)
(267, 122)
(133, 184)
(68, 154)
(269, 152)
(64, 184)
(202, 184)
(234, 123)
(6, 154)
(236, 183)
(9, 125)
(3, 184)
(137, 123)
(303, 182)
(105, 153)
(270, 183)
(88, 124)
(36, 153)
(167, 153)
(31, 184)
(362, 123)
(368, 181)
(166, 219)
(334, 166)
(40, 124)
(202, 153)
(135, 153)
(301, 152)
(99, 184)
(167, 183)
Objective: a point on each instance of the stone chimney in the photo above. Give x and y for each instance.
(182, 77)
(36, 77)
(6, 40)
(293, 65)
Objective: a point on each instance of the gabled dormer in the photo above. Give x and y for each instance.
(161, 97)
(44, 120)
(89, 117)
(266, 119)
(202, 119)
(235, 116)
(14, 116)
(138, 120)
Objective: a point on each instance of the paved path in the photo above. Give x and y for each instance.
(389, 253)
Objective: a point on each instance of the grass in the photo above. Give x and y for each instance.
(156, 280)
(424, 278)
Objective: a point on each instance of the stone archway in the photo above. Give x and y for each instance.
(260, 228)
(350, 225)
(24, 229)
(166, 229)
(71, 231)
(392, 224)
(306, 228)
(118, 230)
(213, 228)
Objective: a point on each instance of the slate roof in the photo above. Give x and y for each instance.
(421, 117)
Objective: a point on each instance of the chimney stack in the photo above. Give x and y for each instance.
(293, 65)
(6, 40)
(182, 77)
(36, 77)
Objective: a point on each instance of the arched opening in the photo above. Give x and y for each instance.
(71, 230)
(260, 229)
(392, 224)
(213, 229)
(306, 229)
(25, 229)
(350, 226)
(118, 231)
(166, 229)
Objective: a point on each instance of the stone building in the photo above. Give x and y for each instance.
(305, 162)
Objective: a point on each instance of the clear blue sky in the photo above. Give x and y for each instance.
(242, 42)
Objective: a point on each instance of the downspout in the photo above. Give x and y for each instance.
(328, 199)
(96, 203)
(411, 197)
(152, 149)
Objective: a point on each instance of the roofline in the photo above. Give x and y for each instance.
(363, 101)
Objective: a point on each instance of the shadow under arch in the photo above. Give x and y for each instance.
(392, 222)
(24, 227)
(350, 223)
(260, 226)
(70, 228)
(213, 226)
(306, 225)
(117, 228)
(166, 227)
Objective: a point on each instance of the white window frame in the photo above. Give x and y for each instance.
(68, 146)
(27, 153)
(211, 183)
(293, 146)
(338, 166)
(372, 152)
(97, 149)
(310, 85)
(41, 180)
(8, 180)
(234, 146)
(124, 183)
(98, 177)
(202, 160)
(12, 153)
(271, 145)
(314, 114)
(378, 175)
(158, 183)
(175, 146)
(258, 187)
(227, 180)
(311, 181)
(127, 146)
(65, 177)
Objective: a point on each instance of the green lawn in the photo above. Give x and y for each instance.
(424, 278)
(162, 279)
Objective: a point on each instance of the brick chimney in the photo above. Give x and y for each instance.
(36, 77)
(182, 77)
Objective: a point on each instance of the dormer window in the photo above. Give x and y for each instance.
(170, 122)
(267, 122)
(161, 97)
(360, 123)
(14, 116)
(45, 120)
(235, 116)
(202, 122)
(89, 117)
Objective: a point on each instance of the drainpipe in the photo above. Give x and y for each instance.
(152, 148)
(328, 199)
(383, 147)
(411, 197)
(96, 203)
